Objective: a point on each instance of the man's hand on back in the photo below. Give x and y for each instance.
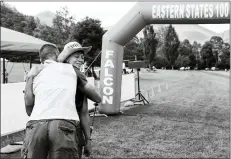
(35, 71)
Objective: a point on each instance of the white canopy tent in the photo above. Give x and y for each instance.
(19, 44)
(16, 44)
(3, 59)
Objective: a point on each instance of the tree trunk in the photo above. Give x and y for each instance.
(150, 67)
(216, 54)
(207, 63)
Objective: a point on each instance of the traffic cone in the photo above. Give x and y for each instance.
(166, 84)
(147, 95)
(159, 89)
(153, 92)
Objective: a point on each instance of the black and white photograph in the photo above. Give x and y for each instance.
(135, 79)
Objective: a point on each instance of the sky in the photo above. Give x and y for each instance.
(108, 12)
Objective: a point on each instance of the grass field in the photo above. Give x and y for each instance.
(190, 119)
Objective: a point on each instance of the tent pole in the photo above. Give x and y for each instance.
(4, 71)
(30, 62)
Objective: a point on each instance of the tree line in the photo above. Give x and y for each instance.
(160, 48)
(88, 31)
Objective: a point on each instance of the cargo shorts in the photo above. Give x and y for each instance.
(52, 139)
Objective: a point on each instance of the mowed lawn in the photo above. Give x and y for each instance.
(190, 119)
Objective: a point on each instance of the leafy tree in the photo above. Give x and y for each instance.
(171, 44)
(132, 48)
(89, 32)
(160, 35)
(185, 48)
(224, 56)
(47, 33)
(226, 46)
(152, 45)
(160, 51)
(160, 62)
(144, 44)
(217, 43)
(196, 47)
(7, 15)
(187, 45)
(182, 61)
(192, 59)
(186, 52)
(149, 44)
(12, 19)
(207, 55)
(63, 23)
(31, 25)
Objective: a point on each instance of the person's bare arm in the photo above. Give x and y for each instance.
(85, 121)
(91, 93)
(29, 96)
(88, 90)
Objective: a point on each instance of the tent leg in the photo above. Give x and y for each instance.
(30, 62)
(4, 71)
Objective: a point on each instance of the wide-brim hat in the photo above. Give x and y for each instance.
(71, 48)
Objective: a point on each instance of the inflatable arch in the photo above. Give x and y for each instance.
(142, 14)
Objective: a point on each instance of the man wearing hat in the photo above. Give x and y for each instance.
(73, 53)
(53, 127)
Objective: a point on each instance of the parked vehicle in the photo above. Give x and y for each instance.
(214, 68)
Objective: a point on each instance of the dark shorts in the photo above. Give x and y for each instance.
(56, 139)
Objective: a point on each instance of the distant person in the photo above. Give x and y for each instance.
(132, 70)
(53, 128)
(25, 75)
(6, 77)
(124, 69)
